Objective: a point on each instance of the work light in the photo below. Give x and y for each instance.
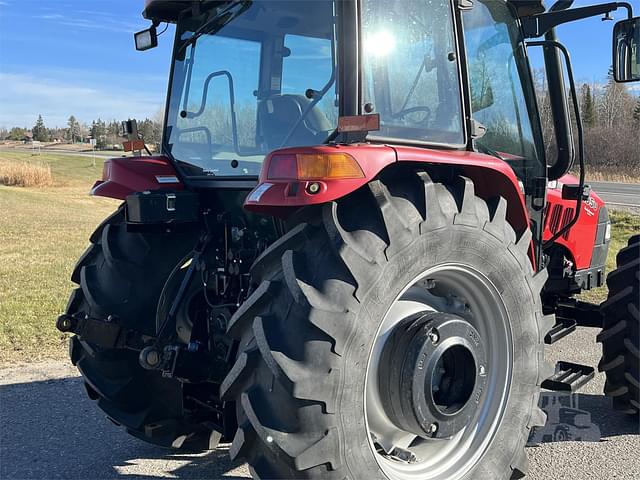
(146, 39)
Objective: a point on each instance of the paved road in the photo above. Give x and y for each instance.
(618, 194)
(71, 153)
(49, 429)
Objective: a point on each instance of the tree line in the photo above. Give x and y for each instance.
(611, 120)
(106, 133)
(610, 115)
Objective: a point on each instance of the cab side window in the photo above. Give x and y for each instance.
(495, 60)
(410, 68)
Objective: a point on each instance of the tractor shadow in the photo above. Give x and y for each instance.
(50, 429)
(581, 418)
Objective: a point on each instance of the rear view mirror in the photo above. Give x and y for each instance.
(626, 50)
(129, 129)
(146, 39)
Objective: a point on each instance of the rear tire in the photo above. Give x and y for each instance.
(620, 336)
(308, 332)
(120, 278)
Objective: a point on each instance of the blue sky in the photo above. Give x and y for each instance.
(63, 57)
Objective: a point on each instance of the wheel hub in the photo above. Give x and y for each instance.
(432, 374)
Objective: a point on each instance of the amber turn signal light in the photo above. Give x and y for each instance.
(314, 166)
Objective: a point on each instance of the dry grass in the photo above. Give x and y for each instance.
(612, 176)
(609, 174)
(23, 174)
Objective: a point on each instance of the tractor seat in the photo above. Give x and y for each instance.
(278, 114)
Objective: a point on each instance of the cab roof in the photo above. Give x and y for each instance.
(164, 10)
(169, 10)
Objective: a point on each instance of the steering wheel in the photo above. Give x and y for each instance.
(408, 111)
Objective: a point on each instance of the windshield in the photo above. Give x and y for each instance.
(250, 77)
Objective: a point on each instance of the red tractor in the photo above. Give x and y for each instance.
(351, 250)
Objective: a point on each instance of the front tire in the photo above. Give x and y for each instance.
(620, 336)
(310, 332)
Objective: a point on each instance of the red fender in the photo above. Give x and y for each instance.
(491, 177)
(126, 175)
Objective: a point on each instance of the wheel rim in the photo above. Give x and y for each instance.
(468, 296)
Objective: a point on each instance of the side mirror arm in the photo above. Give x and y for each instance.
(576, 110)
(537, 26)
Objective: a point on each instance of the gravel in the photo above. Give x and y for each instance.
(50, 429)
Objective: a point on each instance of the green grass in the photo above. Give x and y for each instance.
(43, 231)
(623, 226)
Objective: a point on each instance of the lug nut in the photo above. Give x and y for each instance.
(433, 428)
(149, 358)
(433, 336)
(482, 370)
(153, 358)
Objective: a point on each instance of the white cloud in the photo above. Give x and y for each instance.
(50, 16)
(24, 96)
(91, 21)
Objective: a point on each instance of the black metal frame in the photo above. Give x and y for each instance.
(558, 101)
(576, 110)
(585, 314)
(538, 25)
(464, 72)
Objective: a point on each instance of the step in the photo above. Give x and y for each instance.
(569, 377)
(564, 327)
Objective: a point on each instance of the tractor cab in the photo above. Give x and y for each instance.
(252, 77)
